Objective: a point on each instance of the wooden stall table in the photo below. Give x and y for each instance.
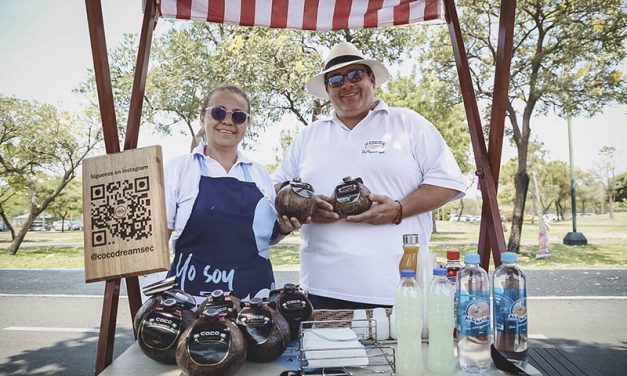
(134, 362)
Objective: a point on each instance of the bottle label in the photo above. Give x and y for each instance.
(510, 310)
(473, 313)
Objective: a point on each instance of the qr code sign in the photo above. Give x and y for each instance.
(121, 210)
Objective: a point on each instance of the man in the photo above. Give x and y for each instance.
(401, 157)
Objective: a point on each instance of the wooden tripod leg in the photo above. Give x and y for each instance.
(134, 297)
(486, 179)
(497, 125)
(106, 339)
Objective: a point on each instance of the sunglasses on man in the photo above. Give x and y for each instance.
(219, 114)
(353, 75)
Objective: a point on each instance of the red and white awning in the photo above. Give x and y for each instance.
(304, 14)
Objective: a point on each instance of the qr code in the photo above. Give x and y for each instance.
(121, 210)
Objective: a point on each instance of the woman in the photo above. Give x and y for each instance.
(221, 207)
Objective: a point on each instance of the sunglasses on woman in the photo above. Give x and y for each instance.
(219, 114)
(353, 75)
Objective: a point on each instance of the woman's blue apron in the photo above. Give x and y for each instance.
(226, 241)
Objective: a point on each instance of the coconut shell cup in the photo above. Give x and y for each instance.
(294, 306)
(224, 301)
(212, 346)
(351, 197)
(161, 321)
(295, 199)
(266, 331)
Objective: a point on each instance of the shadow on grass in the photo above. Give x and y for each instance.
(592, 358)
(76, 356)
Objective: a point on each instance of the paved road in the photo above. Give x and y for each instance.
(50, 319)
(590, 282)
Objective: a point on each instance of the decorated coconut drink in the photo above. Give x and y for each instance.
(295, 199)
(351, 197)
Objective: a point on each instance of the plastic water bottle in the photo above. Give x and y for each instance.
(473, 316)
(453, 266)
(408, 309)
(441, 322)
(510, 309)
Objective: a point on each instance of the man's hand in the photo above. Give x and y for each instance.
(384, 211)
(323, 210)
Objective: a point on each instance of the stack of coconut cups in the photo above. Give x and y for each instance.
(218, 336)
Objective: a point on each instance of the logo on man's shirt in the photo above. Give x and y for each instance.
(374, 147)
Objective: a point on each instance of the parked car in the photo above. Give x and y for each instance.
(61, 226)
(3, 226)
(76, 225)
(38, 225)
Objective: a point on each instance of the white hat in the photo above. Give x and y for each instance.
(341, 55)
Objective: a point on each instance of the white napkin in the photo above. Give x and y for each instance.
(333, 347)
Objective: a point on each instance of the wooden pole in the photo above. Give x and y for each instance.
(486, 178)
(104, 355)
(497, 124)
(141, 70)
(134, 119)
(103, 75)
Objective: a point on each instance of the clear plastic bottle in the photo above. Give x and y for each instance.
(453, 266)
(510, 309)
(408, 309)
(473, 316)
(441, 322)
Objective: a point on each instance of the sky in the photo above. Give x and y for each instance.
(45, 53)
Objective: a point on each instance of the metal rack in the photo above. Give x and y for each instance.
(379, 356)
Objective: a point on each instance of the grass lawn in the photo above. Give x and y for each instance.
(607, 246)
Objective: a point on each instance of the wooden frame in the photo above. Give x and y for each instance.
(487, 162)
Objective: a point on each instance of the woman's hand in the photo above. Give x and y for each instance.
(323, 210)
(287, 225)
(383, 212)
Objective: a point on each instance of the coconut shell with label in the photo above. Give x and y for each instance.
(295, 199)
(212, 346)
(351, 197)
(266, 331)
(224, 301)
(294, 306)
(161, 321)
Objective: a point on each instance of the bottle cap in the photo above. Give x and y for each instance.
(439, 271)
(410, 239)
(508, 257)
(452, 255)
(471, 258)
(408, 273)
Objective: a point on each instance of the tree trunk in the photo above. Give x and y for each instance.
(520, 197)
(17, 241)
(435, 226)
(461, 209)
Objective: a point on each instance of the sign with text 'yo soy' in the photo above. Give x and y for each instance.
(124, 214)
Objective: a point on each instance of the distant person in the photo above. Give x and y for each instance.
(402, 159)
(220, 206)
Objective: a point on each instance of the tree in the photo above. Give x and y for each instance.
(39, 146)
(620, 183)
(590, 192)
(607, 175)
(67, 203)
(566, 55)
(271, 65)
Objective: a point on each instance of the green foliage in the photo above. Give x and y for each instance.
(271, 65)
(620, 184)
(69, 203)
(566, 60)
(40, 150)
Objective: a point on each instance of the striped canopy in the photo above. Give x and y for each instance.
(304, 14)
